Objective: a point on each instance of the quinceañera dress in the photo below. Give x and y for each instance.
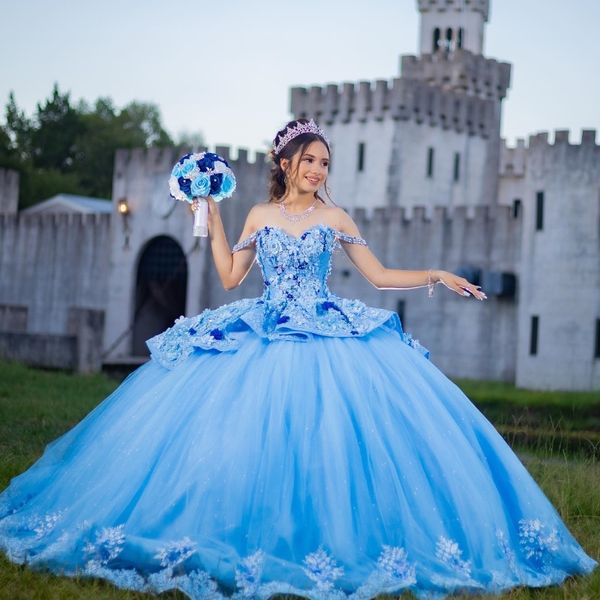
(296, 443)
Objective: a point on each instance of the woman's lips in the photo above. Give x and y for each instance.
(313, 181)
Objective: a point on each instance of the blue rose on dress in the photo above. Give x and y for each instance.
(201, 186)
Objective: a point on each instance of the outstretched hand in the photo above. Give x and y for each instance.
(460, 285)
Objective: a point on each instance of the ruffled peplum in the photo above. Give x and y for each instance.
(223, 329)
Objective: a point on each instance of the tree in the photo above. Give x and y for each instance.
(57, 127)
(70, 147)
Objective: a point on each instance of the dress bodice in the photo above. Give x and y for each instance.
(295, 269)
(296, 303)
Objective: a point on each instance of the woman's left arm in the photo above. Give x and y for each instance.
(384, 279)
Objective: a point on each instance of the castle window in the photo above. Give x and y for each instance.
(597, 344)
(533, 335)
(436, 39)
(400, 310)
(516, 208)
(361, 156)
(460, 37)
(539, 211)
(430, 162)
(448, 39)
(456, 166)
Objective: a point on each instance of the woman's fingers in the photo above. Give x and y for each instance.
(463, 287)
(468, 289)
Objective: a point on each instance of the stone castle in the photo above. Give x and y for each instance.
(419, 164)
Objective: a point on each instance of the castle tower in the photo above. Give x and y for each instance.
(448, 25)
(430, 137)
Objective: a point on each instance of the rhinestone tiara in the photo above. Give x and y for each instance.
(299, 129)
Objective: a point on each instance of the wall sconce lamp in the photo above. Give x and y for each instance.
(123, 208)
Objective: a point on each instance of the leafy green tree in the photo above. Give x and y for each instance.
(67, 147)
(54, 135)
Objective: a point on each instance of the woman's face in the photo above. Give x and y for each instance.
(312, 166)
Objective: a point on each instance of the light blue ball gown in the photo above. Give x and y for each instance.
(297, 443)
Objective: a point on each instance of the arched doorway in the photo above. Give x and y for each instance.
(160, 290)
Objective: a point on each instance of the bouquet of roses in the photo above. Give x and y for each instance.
(197, 176)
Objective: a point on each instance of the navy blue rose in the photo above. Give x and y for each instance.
(185, 185)
(215, 182)
(206, 163)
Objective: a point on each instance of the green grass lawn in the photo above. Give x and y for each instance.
(37, 406)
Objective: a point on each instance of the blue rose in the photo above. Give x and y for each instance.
(187, 167)
(185, 185)
(215, 182)
(206, 163)
(201, 186)
(227, 185)
(184, 158)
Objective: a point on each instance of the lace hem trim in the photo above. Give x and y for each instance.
(539, 548)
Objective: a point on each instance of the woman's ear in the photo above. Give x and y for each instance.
(284, 163)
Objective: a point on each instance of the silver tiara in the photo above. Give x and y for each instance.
(299, 129)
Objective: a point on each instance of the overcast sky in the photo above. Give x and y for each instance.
(225, 68)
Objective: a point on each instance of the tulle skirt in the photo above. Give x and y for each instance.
(326, 468)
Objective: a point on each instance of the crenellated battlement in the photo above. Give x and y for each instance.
(9, 191)
(395, 216)
(159, 160)
(401, 99)
(561, 139)
(561, 161)
(460, 70)
(481, 6)
(513, 159)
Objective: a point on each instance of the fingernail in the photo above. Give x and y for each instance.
(466, 294)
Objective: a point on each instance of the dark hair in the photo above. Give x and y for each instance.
(300, 143)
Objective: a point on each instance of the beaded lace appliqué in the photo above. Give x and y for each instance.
(102, 553)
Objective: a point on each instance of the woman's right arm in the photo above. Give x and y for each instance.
(231, 267)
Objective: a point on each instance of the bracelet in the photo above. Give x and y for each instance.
(429, 284)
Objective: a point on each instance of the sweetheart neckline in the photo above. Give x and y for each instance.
(298, 238)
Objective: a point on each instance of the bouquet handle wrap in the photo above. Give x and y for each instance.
(201, 218)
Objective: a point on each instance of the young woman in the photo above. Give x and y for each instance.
(297, 443)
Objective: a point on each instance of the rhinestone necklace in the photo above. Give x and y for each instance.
(295, 217)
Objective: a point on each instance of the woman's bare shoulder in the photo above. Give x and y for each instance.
(338, 217)
(256, 215)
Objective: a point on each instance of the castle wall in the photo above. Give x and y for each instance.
(560, 266)
(50, 264)
(9, 191)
